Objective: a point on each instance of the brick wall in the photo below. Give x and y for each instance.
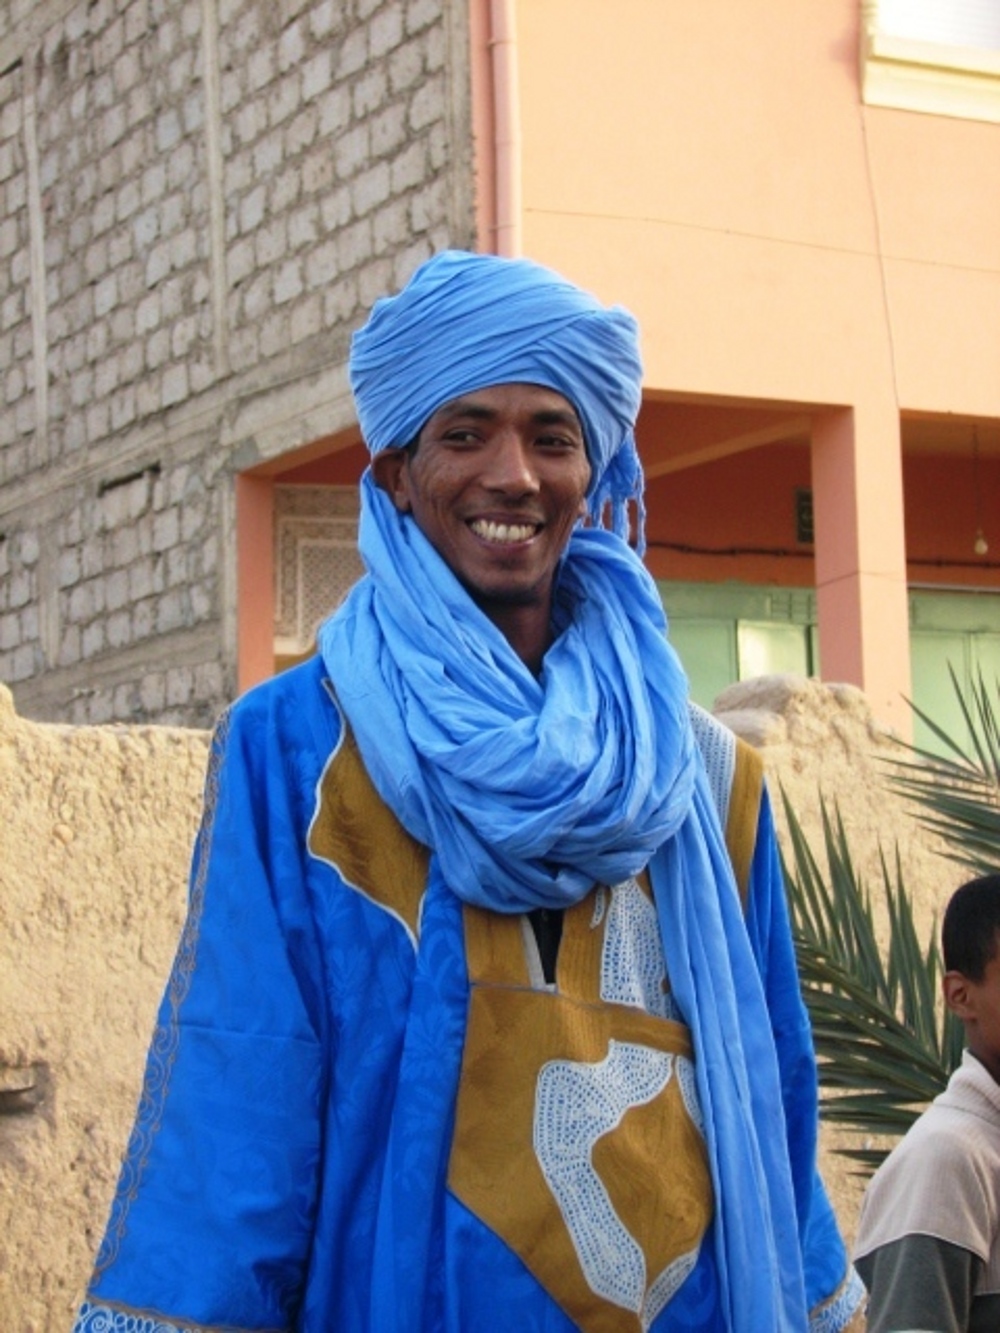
(199, 200)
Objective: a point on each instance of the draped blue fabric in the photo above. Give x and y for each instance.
(288, 1171)
(528, 790)
(467, 322)
(721, 996)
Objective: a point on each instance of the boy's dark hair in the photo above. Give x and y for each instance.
(969, 932)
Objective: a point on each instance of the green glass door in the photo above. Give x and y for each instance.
(728, 632)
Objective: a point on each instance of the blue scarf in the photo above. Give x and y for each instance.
(530, 790)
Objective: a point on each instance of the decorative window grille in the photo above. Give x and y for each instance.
(316, 561)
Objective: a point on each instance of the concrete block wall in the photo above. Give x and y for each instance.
(199, 200)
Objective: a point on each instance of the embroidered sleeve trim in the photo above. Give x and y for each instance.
(836, 1313)
(94, 1317)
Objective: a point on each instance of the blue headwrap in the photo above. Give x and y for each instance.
(467, 322)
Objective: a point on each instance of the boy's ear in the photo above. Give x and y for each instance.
(958, 994)
(389, 470)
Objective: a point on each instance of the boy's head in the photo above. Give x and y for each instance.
(969, 933)
(970, 937)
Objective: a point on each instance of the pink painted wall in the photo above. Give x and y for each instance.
(254, 580)
(706, 524)
(817, 281)
(343, 468)
(713, 168)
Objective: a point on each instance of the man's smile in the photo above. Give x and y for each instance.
(503, 533)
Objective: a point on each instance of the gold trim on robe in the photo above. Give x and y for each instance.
(744, 810)
(355, 831)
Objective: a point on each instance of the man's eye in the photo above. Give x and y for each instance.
(556, 442)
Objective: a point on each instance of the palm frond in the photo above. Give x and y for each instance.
(884, 1044)
(956, 794)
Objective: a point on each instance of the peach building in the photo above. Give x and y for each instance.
(801, 204)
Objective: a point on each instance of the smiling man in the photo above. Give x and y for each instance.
(496, 481)
(485, 1014)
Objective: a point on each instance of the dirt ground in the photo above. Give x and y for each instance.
(97, 826)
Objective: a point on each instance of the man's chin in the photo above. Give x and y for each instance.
(505, 595)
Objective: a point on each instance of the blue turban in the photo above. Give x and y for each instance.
(467, 321)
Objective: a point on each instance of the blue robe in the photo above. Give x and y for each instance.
(364, 1111)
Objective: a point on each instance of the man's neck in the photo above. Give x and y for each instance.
(527, 628)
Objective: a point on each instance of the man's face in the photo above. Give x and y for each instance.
(496, 483)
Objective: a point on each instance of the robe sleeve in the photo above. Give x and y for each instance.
(212, 1220)
(833, 1289)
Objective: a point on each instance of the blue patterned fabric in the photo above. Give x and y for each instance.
(289, 1166)
(467, 321)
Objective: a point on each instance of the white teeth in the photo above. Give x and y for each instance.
(502, 532)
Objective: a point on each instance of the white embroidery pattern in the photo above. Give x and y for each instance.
(102, 1319)
(576, 1104)
(718, 749)
(600, 906)
(633, 970)
(667, 1285)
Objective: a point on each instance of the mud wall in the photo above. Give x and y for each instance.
(97, 826)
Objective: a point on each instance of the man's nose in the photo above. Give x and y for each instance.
(510, 466)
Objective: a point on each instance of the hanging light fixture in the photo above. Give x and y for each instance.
(980, 545)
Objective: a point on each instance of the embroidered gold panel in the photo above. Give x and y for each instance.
(356, 832)
(574, 1139)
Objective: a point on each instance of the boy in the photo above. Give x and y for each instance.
(928, 1246)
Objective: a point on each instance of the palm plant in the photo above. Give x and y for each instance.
(957, 792)
(885, 1044)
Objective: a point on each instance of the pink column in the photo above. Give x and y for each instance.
(496, 126)
(861, 557)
